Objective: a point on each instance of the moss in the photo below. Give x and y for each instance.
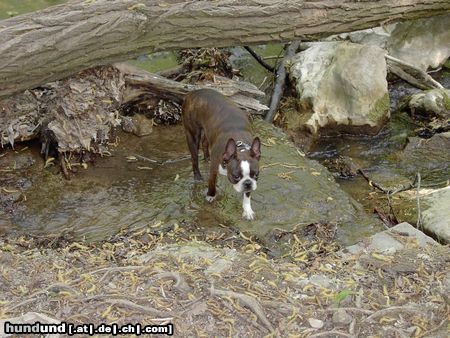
(380, 108)
(446, 101)
(446, 65)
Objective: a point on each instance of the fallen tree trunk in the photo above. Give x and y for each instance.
(139, 82)
(54, 43)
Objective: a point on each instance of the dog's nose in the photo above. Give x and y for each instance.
(247, 184)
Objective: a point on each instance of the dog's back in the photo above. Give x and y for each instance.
(211, 111)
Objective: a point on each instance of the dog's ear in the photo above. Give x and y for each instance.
(230, 150)
(255, 150)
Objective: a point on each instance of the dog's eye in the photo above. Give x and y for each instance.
(236, 177)
(256, 176)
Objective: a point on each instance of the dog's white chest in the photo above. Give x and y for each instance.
(222, 170)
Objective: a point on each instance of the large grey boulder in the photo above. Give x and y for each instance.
(424, 43)
(436, 216)
(341, 87)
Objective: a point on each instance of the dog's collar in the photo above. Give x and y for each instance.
(242, 146)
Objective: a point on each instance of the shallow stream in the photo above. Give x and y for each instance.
(116, 192)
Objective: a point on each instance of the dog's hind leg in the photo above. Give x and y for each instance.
(193, 141)
(205, 147)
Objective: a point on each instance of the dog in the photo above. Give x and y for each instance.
(223, 130)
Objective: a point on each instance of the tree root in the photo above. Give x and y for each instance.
(247, 301)
(392, 310)
(142, 309)
(180, 283)
(57, 287)
(349, 309)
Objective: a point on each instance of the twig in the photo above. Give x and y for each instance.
(372, 183)
(246, 300)
(280, 81)
(419, 216)
(143, 158)
(260, 60)
(332, 333)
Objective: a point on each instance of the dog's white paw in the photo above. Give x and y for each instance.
(248, 215)
(210, 199)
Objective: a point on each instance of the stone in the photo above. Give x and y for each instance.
(315, 323)
(424, 43)
(341, 317)
(433, 102)
(385, 243)
(138, 125)
(334, 94)
(427, 156)
(436, 214)
(320, 280)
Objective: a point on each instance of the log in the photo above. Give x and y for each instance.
(51, 44)
(139, 82)
(411, 74)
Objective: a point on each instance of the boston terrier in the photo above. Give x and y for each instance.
(215, 122)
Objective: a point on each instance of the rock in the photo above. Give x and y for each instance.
(342, 166)
(334, 94)
(138, 125)
(433, 102)
(436, 216)
(320, 280)
(341, 317)
(315, 323)
(384, 242)
(424, 42)
(427, 156)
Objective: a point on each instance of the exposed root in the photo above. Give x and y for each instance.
(180, 283)
(246, 300)
(139, 308)
(392, 310)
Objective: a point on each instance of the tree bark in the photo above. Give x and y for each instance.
(54, 43)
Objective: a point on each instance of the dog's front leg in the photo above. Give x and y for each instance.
(246, 205)
(211, 194)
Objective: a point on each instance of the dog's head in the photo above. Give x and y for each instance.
(242, 164)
